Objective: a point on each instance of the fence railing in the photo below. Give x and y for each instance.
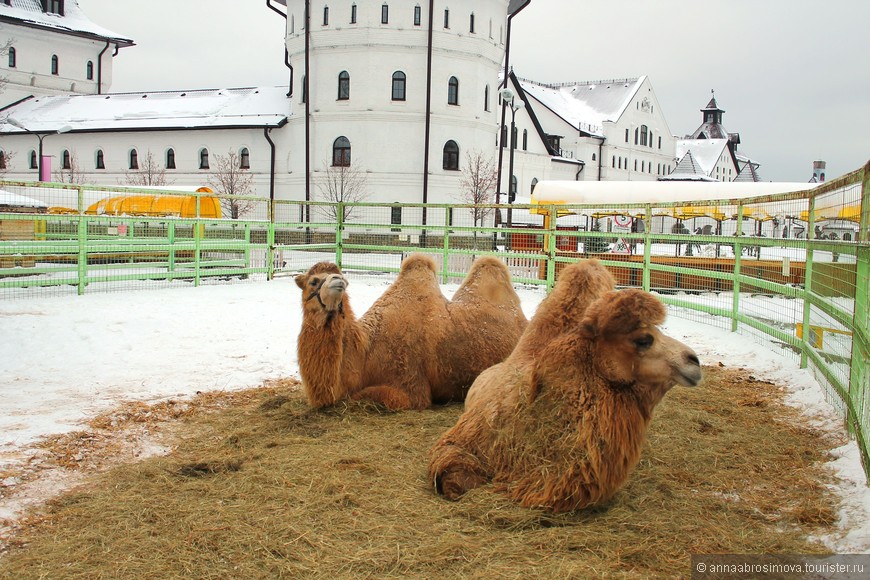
(792, 269)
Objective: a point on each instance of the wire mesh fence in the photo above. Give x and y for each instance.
(792, 269)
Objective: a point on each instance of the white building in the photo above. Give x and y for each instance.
(52, 48)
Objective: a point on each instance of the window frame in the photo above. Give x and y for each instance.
(133, 159)
(450, 156)
(399, 86)
(341, 152)
(55, 65)
(343, 86)
(453, 91)
(89, 70)
(99, 160)
(169, 161)
(203, 158)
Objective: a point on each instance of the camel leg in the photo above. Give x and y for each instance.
(390, 397)
(454, 471)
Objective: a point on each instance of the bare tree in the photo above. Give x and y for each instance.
(342, 184)
(231, 180)
(70, 174)
(149, 173)
(6, 158)
(478, 184)
(4, 51)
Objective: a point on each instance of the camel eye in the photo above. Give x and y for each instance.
(643, 342)
(314, 282)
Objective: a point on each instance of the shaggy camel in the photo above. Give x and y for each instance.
(561, 422)
(413, 347)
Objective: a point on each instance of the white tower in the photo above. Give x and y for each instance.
(405, 88)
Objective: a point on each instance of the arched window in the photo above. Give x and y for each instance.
(635, 136)
(55, 65)
(34, 164)
(643, 134)
(447, 18)
(417, 15)
(170, 158)
(471, 23)
(451, 156)
(453, 91)
(343, 85)
(326, 15)
(11, 57)
(65, 160)
(593, 157)
(486, 98)
(203, 158)
(399, 86)
(353, 13)
(534, 183)
(134, 159)
(244, 158)
(650, 138)
(525, 140)
(89, 70)
(385, 14)
(341, 152)
(101, 161)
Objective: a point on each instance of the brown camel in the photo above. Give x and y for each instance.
(561, 422)
(413, 347)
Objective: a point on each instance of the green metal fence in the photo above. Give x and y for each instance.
(791, 269)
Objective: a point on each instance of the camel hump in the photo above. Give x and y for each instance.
(490, 280)
(416, 262)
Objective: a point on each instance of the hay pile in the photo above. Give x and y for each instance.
(270, 488)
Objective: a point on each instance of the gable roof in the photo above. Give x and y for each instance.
(73, 21)
(197, 109)
(586, 106)
(705, 152)
(687, 170)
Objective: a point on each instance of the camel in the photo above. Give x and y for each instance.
(559, 424)
(413, 347)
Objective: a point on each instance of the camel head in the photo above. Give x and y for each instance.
(630, 351)
(323, 288)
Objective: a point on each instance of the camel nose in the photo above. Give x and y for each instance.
(337, 284)
(691, 374)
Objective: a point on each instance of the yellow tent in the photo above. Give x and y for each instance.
(158, 205)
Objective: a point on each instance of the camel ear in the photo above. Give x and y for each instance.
(624, 311)
(300, 280)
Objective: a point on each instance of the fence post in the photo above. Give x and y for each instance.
(197, 243)
(170, 238)
(738, 260)
(82, 234)
(808, 279)
(445, 262)
(270, 242)
(647, 247)
(339, 233)
(551, 249)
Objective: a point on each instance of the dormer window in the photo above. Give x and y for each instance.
(52, 6)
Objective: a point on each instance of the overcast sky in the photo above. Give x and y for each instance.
(791, 75)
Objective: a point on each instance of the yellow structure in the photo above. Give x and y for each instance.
(159, 205)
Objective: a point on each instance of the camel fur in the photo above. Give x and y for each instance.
(413, 347)
(560, 423)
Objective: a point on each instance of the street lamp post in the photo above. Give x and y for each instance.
(508, 97)
(40, 136)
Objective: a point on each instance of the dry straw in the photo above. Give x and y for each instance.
(268, 488)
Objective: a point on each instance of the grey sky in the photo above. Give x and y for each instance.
(792, 75)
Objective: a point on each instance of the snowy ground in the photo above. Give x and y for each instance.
(66, 359)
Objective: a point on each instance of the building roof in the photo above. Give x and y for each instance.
(688, 169)
(585, 106)
(705, 152)
(194, 109)
(73, 21)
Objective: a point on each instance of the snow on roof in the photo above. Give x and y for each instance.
(706, 152)
(585, 105)
(687, 169)
(7, 198)
(213, 108)
(73, 19)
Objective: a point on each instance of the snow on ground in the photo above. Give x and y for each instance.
(67, 358)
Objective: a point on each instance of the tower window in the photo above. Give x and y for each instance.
(453, 91)
(399, 86)
(451, 156)
(343, 85)
(341, 152)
